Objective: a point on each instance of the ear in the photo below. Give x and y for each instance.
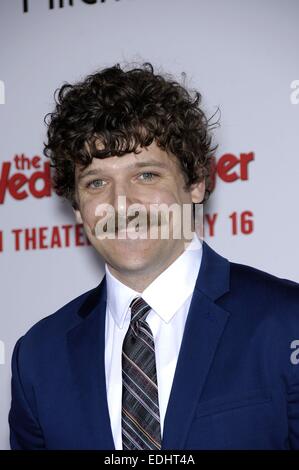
(78, 216)
(198, 191)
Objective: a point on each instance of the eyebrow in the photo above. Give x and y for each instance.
(142, 164)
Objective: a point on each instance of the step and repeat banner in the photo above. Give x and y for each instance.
(241, 55)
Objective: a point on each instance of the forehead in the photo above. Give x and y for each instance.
(148, 156)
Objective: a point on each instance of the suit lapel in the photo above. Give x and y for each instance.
(204, 328)
(86, 344)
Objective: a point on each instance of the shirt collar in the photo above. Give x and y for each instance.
(119, 297)
(166, 294)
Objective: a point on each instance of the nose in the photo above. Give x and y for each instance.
(122, 195)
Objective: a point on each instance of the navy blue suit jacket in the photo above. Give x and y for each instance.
(235, 385)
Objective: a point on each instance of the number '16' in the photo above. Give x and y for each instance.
(242, 223)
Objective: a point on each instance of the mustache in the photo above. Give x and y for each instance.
(117, 222)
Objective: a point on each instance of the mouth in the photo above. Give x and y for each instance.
(124, 228)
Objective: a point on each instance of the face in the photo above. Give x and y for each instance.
(150, 177)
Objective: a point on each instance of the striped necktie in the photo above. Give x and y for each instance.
(140, 406)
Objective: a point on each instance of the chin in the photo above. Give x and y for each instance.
(129, 254)
(130, 263)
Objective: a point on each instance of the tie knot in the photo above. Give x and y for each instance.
(139, 309)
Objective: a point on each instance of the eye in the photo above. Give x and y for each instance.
(148, 175)
(95, 184)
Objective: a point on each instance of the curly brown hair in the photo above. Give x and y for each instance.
(124, 109)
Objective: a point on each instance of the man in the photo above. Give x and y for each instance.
(176, 348)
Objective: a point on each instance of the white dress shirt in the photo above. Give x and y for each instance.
(169, 297)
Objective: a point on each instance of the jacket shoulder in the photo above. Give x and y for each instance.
(253, 278)
(259, 291)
